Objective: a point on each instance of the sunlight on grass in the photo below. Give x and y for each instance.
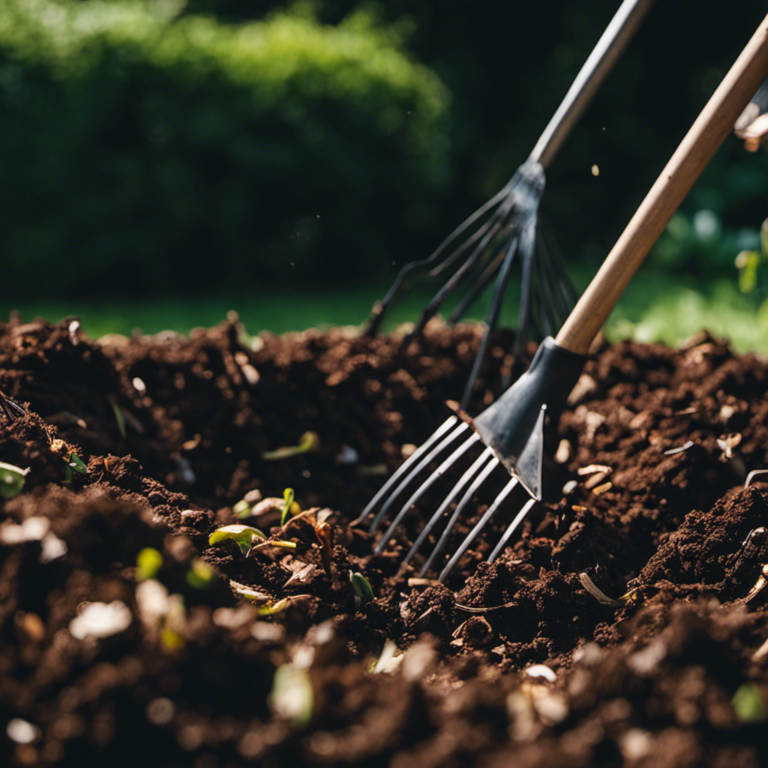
(654, 308)
(657, 310)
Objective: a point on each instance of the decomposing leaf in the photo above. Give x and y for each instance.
(759, 585)
(599, 595)
(244, 535)
(11, 480)
(308, 442)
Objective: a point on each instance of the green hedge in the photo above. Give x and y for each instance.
(143, 151)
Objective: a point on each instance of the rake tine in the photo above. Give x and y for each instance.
(562, 292)
(477, 530)
(415, 471)
(527, 246)
(424, 487)
(383, 306)
(565, 284)
(434, 305)
(545, 316)
(10, 409)
(497, 218)
(443, 540)
(455, 491)
(512, 528)
(490, 323)
(477, 289)
(446, 426)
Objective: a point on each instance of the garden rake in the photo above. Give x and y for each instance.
(511, 430)
(491, 237)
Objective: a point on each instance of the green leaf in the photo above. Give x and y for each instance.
(11, 480)
(148, 564)
(200, 575)
(119, 418)
(288, 496)
(363, 590)
(278, 607)
(292, 695)
(749, 704)
(244, 535)
(748, 263)
(309, 441)
(76, 463)
(242, 509)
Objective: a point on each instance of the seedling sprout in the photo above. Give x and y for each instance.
(242, 509)
(119, 417)
(200, 575)
(244, 535)
(292, 695)
(749, 704)
(600, 596)
(309, 441)
(287, 508)
(760, 585)
(11, 480)
(76, 463)
(363, 590)
(148, 564)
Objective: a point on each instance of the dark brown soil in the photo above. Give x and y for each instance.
(645, 495)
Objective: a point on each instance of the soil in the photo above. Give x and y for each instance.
(510, 663)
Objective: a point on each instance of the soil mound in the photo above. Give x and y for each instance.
(128, 638)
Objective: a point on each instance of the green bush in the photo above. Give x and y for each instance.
(144, 150)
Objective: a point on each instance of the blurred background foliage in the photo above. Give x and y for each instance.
(207, 153)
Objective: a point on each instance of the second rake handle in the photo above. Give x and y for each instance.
(681, 172)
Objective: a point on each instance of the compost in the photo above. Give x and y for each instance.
(217, 655)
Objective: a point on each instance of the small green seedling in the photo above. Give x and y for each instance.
(749, 704)
(278, 607)
(119, 417)
(200, 575)
(11, 480)
(363, 590)
(249, 593)
(148, 564)
(600, 596)
(244, 535)
(292, 695)
(242, 509)
(266, 605)
(309, 441)
(76, 463)
(287, 508)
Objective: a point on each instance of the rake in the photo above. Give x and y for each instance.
(491, 237)
(10, 409)
(511, 430)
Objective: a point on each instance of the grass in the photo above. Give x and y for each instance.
(655, 307)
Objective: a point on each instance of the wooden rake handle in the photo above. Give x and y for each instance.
(692, 156)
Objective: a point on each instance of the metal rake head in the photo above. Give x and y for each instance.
(483, 248)
(511, 434)
(450, 442)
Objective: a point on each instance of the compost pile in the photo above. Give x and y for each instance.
(129, 639)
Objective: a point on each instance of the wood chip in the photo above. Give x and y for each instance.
(592, 468)
(595, 480)
(419, 582)
(564, 452)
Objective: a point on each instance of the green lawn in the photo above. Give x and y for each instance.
(655, 307)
